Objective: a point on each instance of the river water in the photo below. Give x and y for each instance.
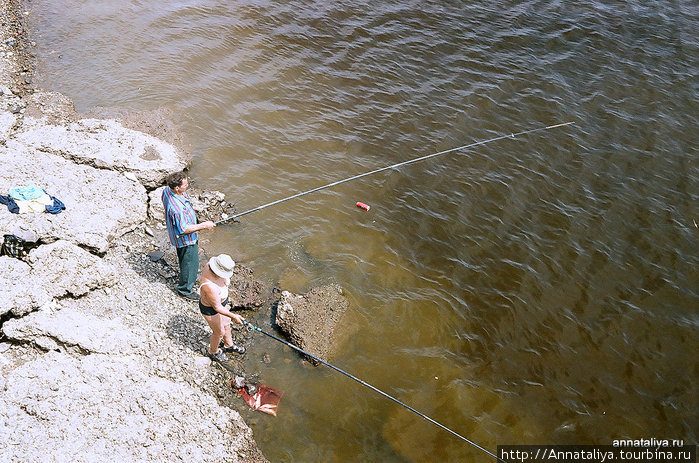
(541, 289)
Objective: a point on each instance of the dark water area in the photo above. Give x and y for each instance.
(534, 290)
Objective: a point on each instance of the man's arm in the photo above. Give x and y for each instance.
(208, 225)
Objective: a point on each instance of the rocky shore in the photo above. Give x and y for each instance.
(100, 359)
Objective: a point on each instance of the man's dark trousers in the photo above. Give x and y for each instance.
(188, 257)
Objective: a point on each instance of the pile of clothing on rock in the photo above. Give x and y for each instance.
(31, 198)
(24, 199)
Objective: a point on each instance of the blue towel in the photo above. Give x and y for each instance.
(27, 192)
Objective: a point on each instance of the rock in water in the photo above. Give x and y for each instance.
(309, 320)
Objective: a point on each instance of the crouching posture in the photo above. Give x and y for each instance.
(213, 292)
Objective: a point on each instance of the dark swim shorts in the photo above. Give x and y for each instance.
(206, 310)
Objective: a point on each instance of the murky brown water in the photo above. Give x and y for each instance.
(537, 290)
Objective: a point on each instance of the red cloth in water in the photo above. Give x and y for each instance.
(265, 399)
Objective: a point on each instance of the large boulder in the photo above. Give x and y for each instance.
(309, 320)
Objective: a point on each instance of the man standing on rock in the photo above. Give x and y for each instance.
(182, 228)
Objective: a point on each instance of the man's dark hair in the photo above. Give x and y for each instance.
(176, 179)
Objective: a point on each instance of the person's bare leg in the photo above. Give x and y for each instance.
(214, 322)
(227, 333)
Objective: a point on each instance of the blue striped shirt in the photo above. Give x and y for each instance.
(179, 216)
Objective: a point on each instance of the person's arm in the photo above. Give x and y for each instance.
(227, 313)
(179, 222)
(218, 307)
(208, 225)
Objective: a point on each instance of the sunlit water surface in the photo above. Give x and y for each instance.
(535, 290)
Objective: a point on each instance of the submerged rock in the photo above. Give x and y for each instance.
(245, 291)
(309, 320)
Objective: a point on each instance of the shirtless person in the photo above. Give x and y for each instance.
(213, 292)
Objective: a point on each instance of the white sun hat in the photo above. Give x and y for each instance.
(222, 265)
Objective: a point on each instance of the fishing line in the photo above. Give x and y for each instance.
(393, 166)
(255, 328)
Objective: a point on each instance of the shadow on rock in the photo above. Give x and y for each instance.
(191, 331)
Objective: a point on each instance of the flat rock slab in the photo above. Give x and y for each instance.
(102, 143)
(106, 408)
(7, 123)
(100, 204)
(51, 271)
(68, 327)
(309, 320)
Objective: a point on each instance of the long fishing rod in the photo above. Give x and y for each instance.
(393, 166)
(255, 328)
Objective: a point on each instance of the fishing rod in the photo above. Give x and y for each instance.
(255, 328)
(393, 166)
